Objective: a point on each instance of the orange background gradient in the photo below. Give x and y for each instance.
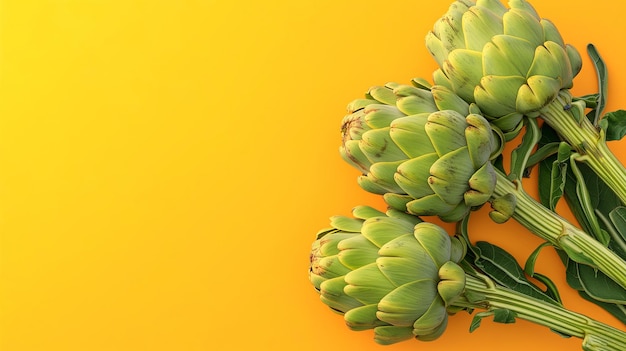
(165, 166)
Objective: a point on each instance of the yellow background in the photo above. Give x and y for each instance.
(164, 166)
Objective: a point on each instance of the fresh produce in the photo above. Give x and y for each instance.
(512, 63)
(403, 277)
(448, 172)
(439, 150)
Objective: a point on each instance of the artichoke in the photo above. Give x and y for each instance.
(402, 278)
(426, 150)
(508, 61)
(389, 272)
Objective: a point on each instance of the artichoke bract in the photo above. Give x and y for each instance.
(425, 149)
(388, 272)
(508, 61)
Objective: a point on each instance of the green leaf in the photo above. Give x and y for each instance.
(520, 155)
(504, 269)
(558, 176)
(597, 285)
(544, 177)
(541, 154)
(602, 74)
(502, 315)
(618, 217)
(571, 272)
(551, 288)
(617, 230)
(591, 100)
(615, 125)
(478, 318)
(618, 311)
(529, 269)
(585, 201)
(575, 281)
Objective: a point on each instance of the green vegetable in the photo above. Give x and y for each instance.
(403, 277)
(512, 63)
(437, 150)
(425, 169)
(422, 156)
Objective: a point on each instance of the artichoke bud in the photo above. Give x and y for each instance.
(397, 275)
(426, 163)
(503, 208)
(510, 62)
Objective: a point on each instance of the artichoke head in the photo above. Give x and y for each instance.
(389, 272)
(426, 150)
(508, 61)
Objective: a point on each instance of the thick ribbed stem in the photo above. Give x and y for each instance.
(585, 138)
(579, 246)
(596, 336)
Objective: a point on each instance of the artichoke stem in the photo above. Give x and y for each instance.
(596, 335)
(579, 246)
(588, 141)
